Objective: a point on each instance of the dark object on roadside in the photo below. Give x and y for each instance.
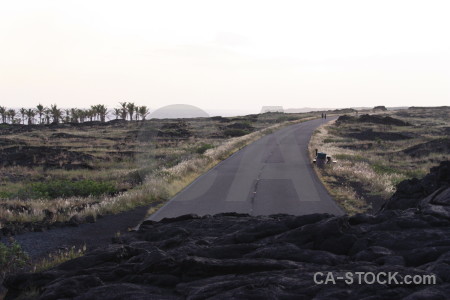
(322, 159)
(321, 156)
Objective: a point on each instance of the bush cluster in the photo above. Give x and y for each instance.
(203, 147)
(66, 188)
(12, 258)
(235, 132)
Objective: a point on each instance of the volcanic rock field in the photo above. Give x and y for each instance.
(231, 256)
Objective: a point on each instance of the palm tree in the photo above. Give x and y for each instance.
(124, 110)
(30, 115)
(67, 113)
(94, 110)
(131, 108)
(117, 112)
(102, 111)
(11, 115)
(47, 113)
(83, 115)
(143, 111)
(40, 111)
(56, 113)
(73, 115)
(3, 113)
(22, 112)
(90, 114)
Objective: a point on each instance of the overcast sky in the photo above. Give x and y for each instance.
(237, 55)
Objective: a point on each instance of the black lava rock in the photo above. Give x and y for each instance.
(235, 256)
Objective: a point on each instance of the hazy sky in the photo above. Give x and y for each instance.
(237, 55)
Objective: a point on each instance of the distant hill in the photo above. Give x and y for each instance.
(178, 111)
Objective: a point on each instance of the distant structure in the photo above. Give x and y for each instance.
(266, 109)
(178, 111)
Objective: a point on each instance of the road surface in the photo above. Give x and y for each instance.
(270, 176)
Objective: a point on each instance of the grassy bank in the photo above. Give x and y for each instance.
(373, 157)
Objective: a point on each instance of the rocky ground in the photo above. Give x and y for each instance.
(435, 146)
(370, 134)
(39, 245)
(374, 119)
(231, 256)
(375, 152)
(48, 157)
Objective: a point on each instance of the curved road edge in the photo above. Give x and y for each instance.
(272, 175)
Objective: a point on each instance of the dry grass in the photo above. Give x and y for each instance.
(341, 191)
(367, 172)
(158, 186)
(54, 259)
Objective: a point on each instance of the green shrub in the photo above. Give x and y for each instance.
(234, 132)
(66, 188)
(134, 177)
(354, 158)
(6, 195)
(137, 177)
(12, 258)
(418, 173)
(203, 147)
(382, 169)
(172, 160)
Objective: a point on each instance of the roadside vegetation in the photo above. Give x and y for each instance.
(56, 258)
(14, 259)
(375, 152)
(77, 171)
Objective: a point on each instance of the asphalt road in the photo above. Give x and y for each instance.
(270, 176)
